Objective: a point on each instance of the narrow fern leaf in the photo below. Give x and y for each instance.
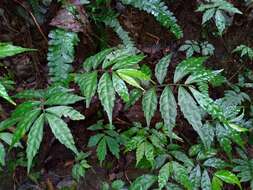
(65, 111)
(88, 85)
(120, 87)
(168, 109)
(101, 150)
(94, 61)
(160, 11)
(61, 131)
(34, 140)
(164, 173)
(61, 54)
(24, 125)
(7, 49)
(106, 94)
(149, 104)
(4, 94)
(63, 99)
(161, 68)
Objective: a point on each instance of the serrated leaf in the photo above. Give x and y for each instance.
(127, 62)
(164, 173)
(149, 104)
(143, 182)
(190, 110)
(106, 94)
(93, 141)
(34, 140)
(113, 146)
(66, 111)
(162, 68)
(181, 175)
(140, 152)
(94, 61)
(7, 49)
(61, 131)
(88, 85)
(228, 177)
(63, 99)
(134, 73)
(195, 177)
(220, 21)
(24, 125)
(4, 94)
(2, 154)
(168, 109)
(120, 87)
(101, 150)
(130, 80)
(205, 181)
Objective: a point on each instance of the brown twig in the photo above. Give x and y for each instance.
(34, 20)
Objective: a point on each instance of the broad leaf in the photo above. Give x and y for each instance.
(149, 104)
(101, 150)
(34, 140)
(113, 146)
(4, 94)
(120, 87)
(66, 111)
(164, 173)
(162, 68)
(228, 177)
(2, 154)
(134, 74)
(63, 99)
(61, 131)
(205, 181)
(143, 182)
(168, 109)
(106, 94)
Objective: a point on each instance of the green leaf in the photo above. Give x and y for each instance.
(149, 153)
(93, 141)
(149, 104)
(24, 125)
(216, 183)
(164, 173)
(205, 181)
(106, 94)
(127, 62)
(129, 80)
(4, 94)
(66, 111)
(162, 68)
(181, 175)
(228, 177)
(134, 73)
(88, 85)
(95, 60)
(195, 177)
(113, 146)
(101, 150)
(140, 152)
(190, 110)
(2, 154)
(61, 131)
(7, 49)
(34, 140)
(208, 15)
(168, 109)
(216, 163)
(11, 121)
(118, 185)
(63, 99)
(187, 66)
(120, 87)
(220, 21)
(143, 182)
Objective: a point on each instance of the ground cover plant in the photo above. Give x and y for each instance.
(126, 94)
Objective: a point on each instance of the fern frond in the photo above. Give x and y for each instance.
(61, 54)
(160, 11)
